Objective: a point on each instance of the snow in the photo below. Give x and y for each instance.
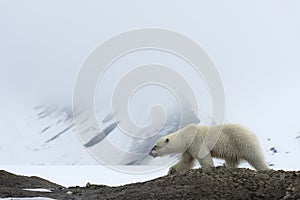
(37, 189)
(28, 143)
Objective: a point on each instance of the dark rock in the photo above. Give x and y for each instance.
(214, 183)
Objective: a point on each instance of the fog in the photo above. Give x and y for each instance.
(254, 44)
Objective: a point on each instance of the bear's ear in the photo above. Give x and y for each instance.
(167, 140)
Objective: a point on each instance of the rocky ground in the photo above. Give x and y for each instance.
(216, 183)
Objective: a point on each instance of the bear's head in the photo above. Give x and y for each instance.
(174, 143)
(170, 144)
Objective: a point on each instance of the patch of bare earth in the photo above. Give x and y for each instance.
(215, 183)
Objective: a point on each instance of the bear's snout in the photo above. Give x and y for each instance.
(153, 152)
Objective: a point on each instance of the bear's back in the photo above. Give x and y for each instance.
(222, 136)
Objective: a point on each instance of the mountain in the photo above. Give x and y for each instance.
(46, 135)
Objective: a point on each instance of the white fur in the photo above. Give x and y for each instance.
(231, 142)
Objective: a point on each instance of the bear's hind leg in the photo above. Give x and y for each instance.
(232, 163)
(185, 163)
(257, 161)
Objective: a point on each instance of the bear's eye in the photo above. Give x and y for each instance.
(167, 140)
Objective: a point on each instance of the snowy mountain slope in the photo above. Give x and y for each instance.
(47, 135)
(40, 135)
(120, 148)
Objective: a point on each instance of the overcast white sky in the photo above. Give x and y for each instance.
(254, 44)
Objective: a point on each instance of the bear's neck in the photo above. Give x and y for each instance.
(188, 140)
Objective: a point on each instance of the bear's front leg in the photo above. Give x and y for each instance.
(206, 161)
(185, 163)
(172, 171)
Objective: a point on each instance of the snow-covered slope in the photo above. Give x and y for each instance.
(40, 135)
(46, 134)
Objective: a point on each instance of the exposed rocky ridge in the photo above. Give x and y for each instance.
(216, 183)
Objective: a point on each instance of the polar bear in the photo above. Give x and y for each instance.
(231, 142)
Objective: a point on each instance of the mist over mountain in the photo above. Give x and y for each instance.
(253, 45)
